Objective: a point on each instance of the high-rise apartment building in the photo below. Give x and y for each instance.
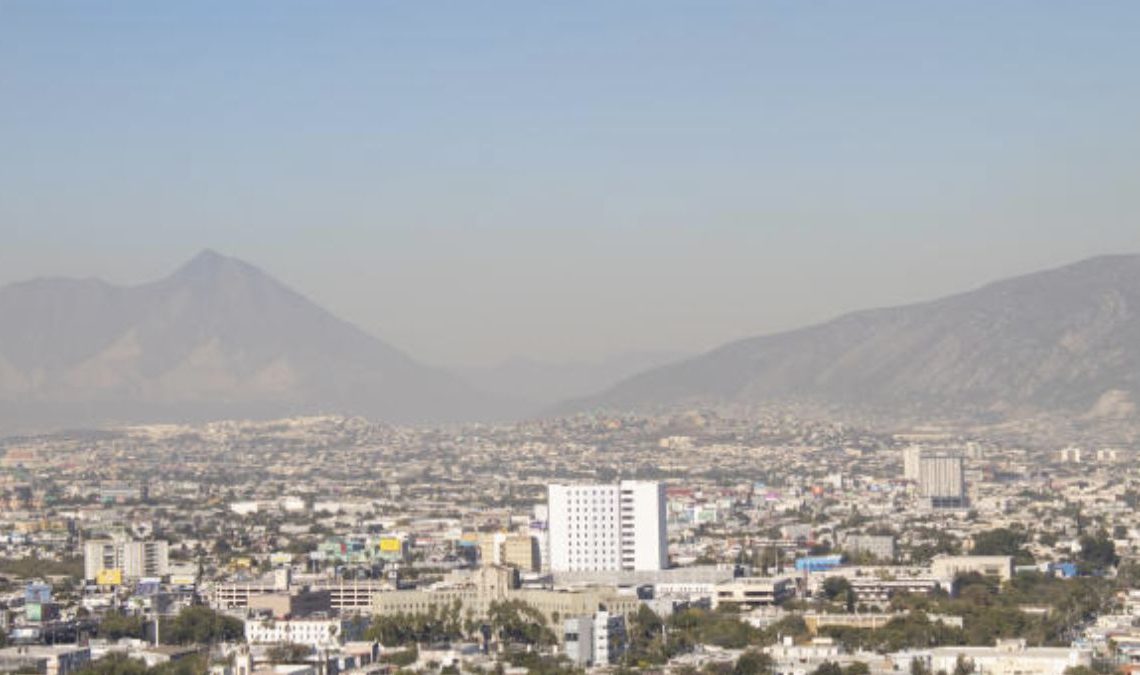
(130, 559)
(941, 480)
(607, 527)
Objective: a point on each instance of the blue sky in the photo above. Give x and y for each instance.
(474, 181)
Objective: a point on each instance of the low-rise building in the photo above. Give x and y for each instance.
(752, 592)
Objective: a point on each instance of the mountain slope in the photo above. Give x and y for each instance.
(538, 385)
(1066, 339)
(218, 338)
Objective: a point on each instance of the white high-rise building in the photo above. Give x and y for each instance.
(607, 527)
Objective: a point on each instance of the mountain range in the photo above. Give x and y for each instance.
(1064, 341)
(220, 339)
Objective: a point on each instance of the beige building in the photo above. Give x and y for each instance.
(752, 592)
(300, 603)
(498, 584)
(513, 550)
(815, 621)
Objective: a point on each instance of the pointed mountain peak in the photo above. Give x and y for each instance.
(209, 265)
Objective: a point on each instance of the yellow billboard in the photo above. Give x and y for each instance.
(109, 577)
(391, 545)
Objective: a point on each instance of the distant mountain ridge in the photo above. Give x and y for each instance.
(217, 339)
(1066, 340)
(538, 385)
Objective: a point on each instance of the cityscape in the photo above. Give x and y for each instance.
(748, 337)
(583, 542)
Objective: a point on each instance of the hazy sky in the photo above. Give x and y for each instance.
(476, 180)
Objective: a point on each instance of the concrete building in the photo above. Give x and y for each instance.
(53, 660)
(132, 559)
(491, 584)
(880, 546)
(514, 550)
(295, 605)
(911, 456)
(871, 621)
(345, 596)
(594, 640)
(753, 592)
(315, 633)
(607, 527)
(1011, 657)
(942, 480)
(948, 567)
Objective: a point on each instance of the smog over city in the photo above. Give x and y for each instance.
(720, 338)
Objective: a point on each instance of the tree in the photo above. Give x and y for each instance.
(115, 664)
(1003, 541)
(963, 666)
(116, 625)
(1098, 552)
(288, 653)
(516, 621)
(834, 587)
(828, 668)
(752, 662)
(202, 625)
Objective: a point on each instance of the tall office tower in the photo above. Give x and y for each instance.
(607, 527)
(941, 480)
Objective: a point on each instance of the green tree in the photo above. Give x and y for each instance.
(115, 664)
(963, 666)
(514, 621)
(1098, 552)
(116, 625)
(828, 668)
(1003, 541)
(752, 662)
(201, 625)
(288, 653)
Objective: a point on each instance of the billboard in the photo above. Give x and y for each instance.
(149, 586)
(37, 593)
(109, 577)
(391, 545)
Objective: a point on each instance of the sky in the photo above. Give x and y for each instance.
(478, 181)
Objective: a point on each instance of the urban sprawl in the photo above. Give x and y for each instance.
(682, 543)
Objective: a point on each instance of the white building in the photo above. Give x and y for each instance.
(949, 567)
(315, 633)
(595, 640)
(1011, 657)
(134, 559)
(607, 527)
(911, 456)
